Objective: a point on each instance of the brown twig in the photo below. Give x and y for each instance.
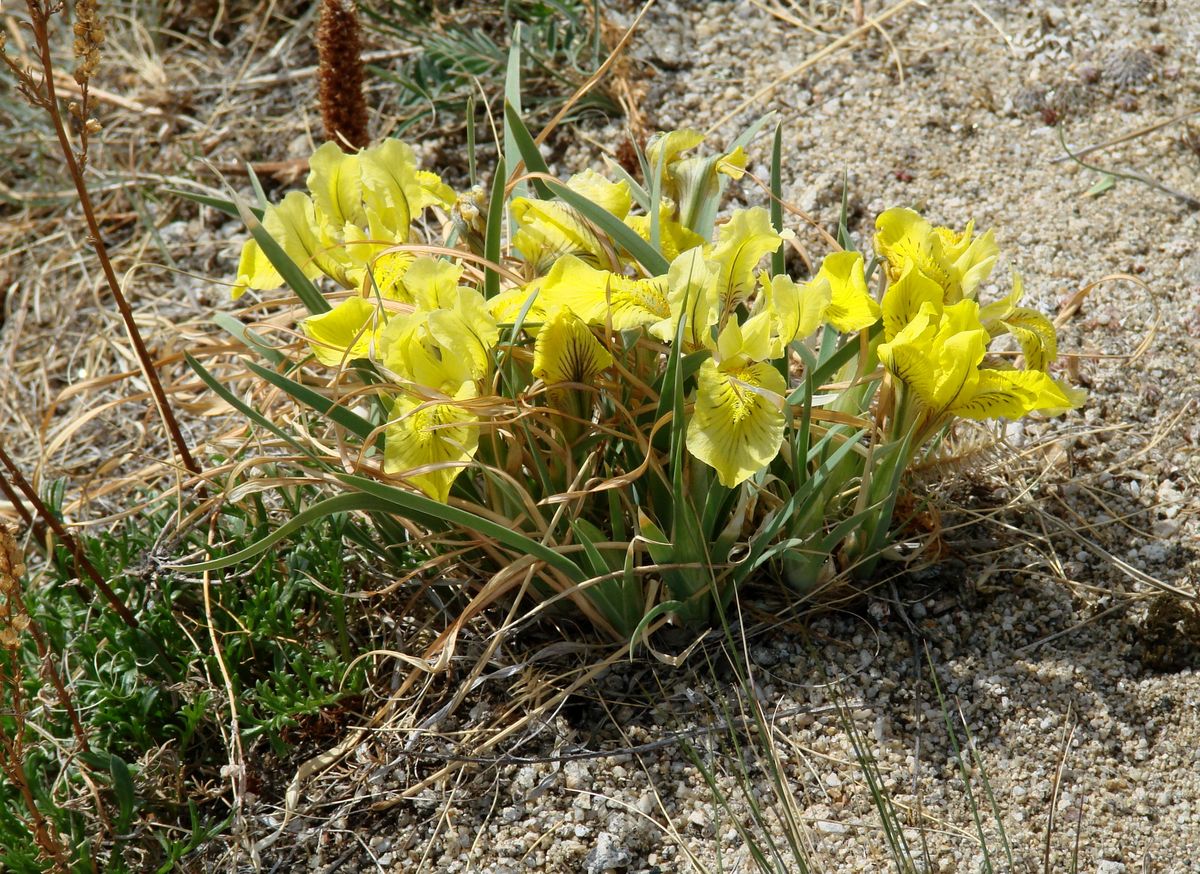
(82, 562)
(43, 94)
(14, 621)
(18, 505)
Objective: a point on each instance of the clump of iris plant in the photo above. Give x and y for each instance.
(595, 392)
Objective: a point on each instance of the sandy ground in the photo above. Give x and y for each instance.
(1046, 627)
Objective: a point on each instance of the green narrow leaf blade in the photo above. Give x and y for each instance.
(122, 783)
(217, 203)
(249, 338)
(303, 287)
(343, 416)
(328, 507)
(778, 257)
(248, 411)
(425, 508)
(608, 223)
(495, 228)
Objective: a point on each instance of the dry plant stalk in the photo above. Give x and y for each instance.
(82, 563)
(14, 623)
(39, 90)
(340, 75)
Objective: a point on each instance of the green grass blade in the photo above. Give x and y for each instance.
(122, 784)
(962, 768)
(640, 196)
(249, 338)
(655, 207)
(620, 232)
(524, 145)
(495, 228)
(320, 510)
(768, 530)
(779, 256)
(218, 203)
(248, 411)
(257, 186)
(608, 223)
(512, 97)
(991, 796)
(421, 508)
(843, 230)
(339, 414)
(471, 176)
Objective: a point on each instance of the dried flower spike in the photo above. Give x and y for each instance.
(13, 620)
(89, 35)
(340, 74)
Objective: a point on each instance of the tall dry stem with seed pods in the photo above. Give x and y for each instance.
(36, 85)
(15, 623)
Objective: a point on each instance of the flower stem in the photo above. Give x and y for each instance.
(39, 20)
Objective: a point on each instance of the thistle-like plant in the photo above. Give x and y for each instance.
(631, 406)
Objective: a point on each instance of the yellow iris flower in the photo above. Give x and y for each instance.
(430, 443)
(737, 424)
(796, 309)
(741, 244)
(837, 295)
(548, 229)
(690, 180)
(567, 351)
(350, 330)
(692, 296)
(358, 206)
(1033, 331)
(957, 263)
(567, 356)
(938, 355)
(443, 355)
(673, 238)
(851, 307)
(440, 352)
(601, 296)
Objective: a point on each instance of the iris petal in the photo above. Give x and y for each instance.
(737, 425)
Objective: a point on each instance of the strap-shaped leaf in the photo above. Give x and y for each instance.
(420, 508)
(248, 411)
(779, 255)
(321, 509)
(782, 516)
(495, 228)
(249, 338)
(827, 367)
(303, 287)
(226, 206)
(617, 230)
(343, 416)
(640, 196)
